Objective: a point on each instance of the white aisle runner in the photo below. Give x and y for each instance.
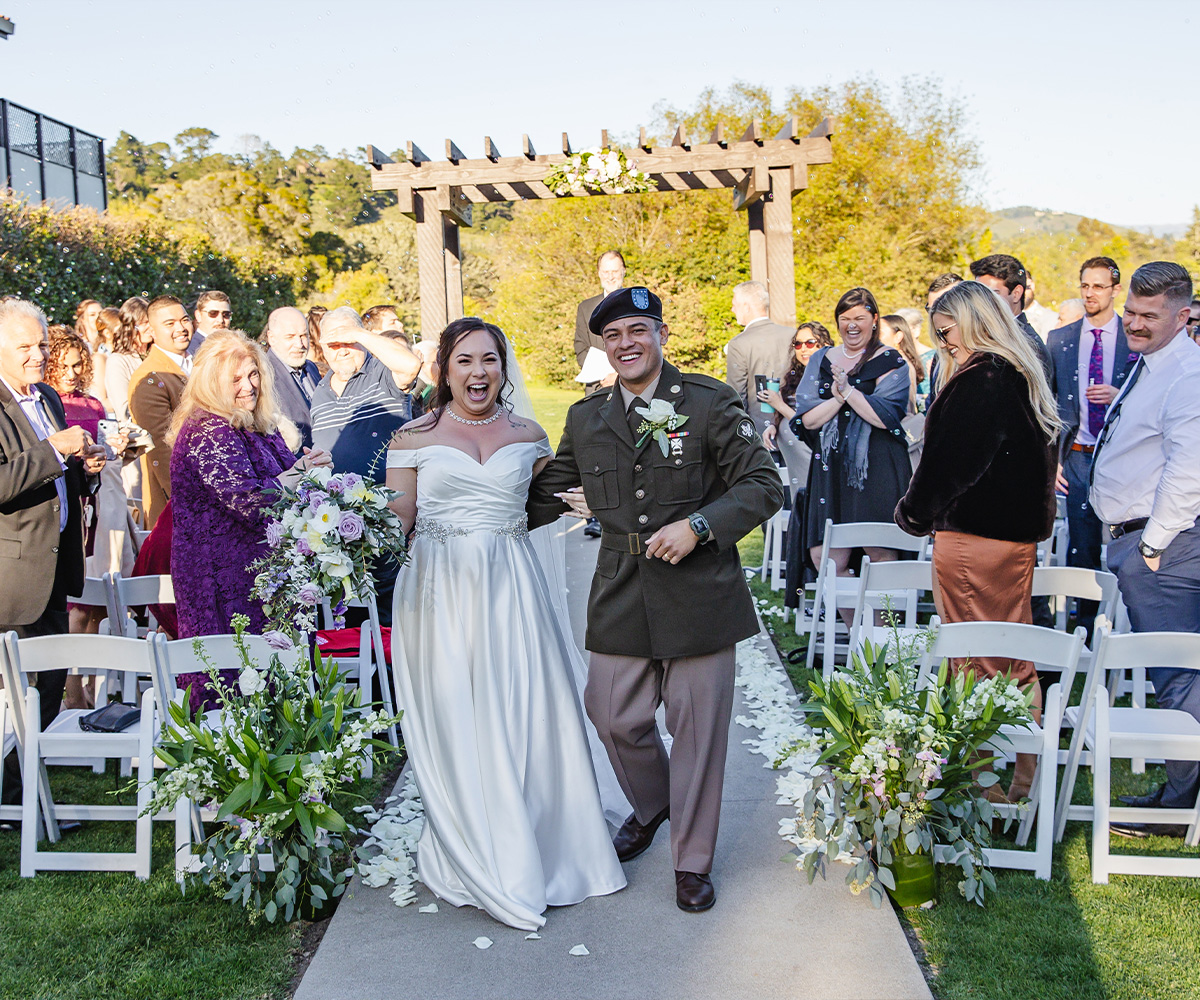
(770, 934)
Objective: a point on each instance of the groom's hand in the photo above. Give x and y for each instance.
(575, 499)
(672, 542)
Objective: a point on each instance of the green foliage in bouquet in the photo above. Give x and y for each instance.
(899, 768)
(278, 760)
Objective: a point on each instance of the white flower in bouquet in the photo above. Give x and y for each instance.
(325, 518)
(250, 682)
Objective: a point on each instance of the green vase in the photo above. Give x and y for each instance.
(915, 879)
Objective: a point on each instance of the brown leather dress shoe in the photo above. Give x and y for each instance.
(633, 838)
(694, 893)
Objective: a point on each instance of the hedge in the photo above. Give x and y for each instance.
(58, 258)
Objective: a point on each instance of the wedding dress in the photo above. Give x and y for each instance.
(492, 724)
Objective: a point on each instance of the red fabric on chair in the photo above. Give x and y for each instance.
(346, 641)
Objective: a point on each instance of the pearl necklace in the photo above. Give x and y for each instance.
(477, 423)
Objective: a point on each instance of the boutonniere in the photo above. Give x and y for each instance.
(658, 418)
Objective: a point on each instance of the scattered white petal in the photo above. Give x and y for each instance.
(482, 943)
(431, 908)
(535, 936)
(579, 950)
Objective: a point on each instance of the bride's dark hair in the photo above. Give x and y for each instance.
(451, 336)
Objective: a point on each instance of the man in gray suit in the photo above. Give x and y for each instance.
(1091, 361)
(295, 376)
(762, 348)
(45, 468)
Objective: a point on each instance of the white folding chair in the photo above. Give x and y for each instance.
(833, 592)
(1067, 583)
(371, 660)
(135, 592)
(95, 595)
(169, 659)
(1151, 733)
(882, 586)
(1048, 649)
(774, 560)
(64, 739)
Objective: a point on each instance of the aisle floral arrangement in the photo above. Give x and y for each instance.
(323, 534)
(598, 170)
(893, 770)
(278, 761)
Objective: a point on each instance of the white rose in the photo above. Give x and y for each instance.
(658, 411)
(250, 682)
(321, 474)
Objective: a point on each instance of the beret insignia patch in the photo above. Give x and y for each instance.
(641, 297)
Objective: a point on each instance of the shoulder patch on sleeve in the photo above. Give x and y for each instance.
(746, 430)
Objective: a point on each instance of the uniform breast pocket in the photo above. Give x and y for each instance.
(598, 473)
(680, 481)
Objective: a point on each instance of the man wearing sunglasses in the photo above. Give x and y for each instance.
(213, 312)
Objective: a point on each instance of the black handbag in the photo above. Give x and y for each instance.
(112, 718)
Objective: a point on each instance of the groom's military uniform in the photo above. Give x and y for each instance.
(656, 631)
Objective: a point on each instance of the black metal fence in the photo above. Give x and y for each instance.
(46, 160)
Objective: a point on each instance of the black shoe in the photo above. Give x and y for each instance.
(694, 893)
(633, 838)
(1148, 829)
(1150, 801)
(592, 529)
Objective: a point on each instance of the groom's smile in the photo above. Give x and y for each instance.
(634, 346)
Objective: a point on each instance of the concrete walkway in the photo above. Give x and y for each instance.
(771, 935)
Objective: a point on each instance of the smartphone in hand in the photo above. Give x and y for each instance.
(106, 429)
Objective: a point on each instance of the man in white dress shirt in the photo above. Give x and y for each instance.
(1146, 487)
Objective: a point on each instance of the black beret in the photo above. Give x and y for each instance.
(625, 302)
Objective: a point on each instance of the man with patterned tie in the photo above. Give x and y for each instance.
(295, 376)
(1091, 362)
(1146, 488)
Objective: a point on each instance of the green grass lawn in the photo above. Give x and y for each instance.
(1137, 938)
(107, 935)
(550, 404)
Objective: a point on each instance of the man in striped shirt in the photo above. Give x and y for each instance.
(364, 397)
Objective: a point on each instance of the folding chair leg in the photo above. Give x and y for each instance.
(144, 831)
(1101, 763)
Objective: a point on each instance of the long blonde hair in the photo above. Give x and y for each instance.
(986, 325)
(210, 385)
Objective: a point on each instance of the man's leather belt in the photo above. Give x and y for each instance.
(1125, 527)
(1087, 449)
(633, 544)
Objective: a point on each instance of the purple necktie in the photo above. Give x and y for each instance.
(1096, 377)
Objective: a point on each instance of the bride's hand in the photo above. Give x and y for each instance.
(574, 499)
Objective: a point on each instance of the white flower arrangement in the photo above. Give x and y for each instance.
(598, 170)
(658, 418)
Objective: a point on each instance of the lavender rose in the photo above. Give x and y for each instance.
(309, 594)
(303, 547)
(278, 640)
(274, 534)
(350, 526)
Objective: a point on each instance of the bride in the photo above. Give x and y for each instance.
(482, 661)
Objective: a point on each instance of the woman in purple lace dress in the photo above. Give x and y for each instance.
(227, 459)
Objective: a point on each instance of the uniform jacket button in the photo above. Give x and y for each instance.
(640, 494)
(679, 461)
(642, 519)
(596, 469)
(637, 468)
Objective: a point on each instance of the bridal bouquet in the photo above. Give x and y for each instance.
(598, 170)
(323, 534)
(900, 769)
(279, 766)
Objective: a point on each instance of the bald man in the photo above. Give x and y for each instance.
(295, 376)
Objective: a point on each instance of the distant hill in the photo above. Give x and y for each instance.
(1024, 220)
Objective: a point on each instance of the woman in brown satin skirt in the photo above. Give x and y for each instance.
(985, 484)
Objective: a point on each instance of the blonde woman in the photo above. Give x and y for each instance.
(985, 483)
(227, 460)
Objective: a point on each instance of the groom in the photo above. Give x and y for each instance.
(669, 600)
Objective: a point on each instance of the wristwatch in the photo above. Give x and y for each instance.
(1148, 552)
(700, 526)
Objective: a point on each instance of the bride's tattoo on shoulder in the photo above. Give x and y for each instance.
(515, 421)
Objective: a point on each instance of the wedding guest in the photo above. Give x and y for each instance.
(296, 377)
(1193, 323)
(1091, 362)
(130, 342)
(1040, 318)
(379, 319)
(155, 390)
(1006, 276)
(1068, 312)
(213, 312)
(87, 315)
(985, 483)
(894, 331)
(1146, 487)
(315, 354)
(925, 351)
(46, 468)
(939, 284)
(610, 269)
(853, 398)
(85, 320)
(227, 460)
(762, 348)
(810, 337)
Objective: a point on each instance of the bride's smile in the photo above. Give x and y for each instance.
(475, 375)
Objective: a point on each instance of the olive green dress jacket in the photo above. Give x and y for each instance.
(716, 465)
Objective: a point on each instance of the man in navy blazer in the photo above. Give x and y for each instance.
(295, 376)
(1091, 362)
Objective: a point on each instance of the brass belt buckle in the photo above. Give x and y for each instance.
(635, 544)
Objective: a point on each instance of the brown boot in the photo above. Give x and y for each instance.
(1023, 772)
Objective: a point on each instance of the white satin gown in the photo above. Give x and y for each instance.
(492, 722)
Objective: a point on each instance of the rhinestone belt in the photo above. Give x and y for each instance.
(439, 531)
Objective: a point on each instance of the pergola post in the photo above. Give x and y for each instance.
(781, 262)
(431, 265)
(758, 242)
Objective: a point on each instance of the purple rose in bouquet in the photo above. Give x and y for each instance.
(274, 534)
(350, 526)
(309, 594)
(278, 640)
(303, 547)
(350, 480)
(335, 486)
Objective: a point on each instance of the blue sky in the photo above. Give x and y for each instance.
(1082, 107)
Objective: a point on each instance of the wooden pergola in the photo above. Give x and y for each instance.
(763, 173)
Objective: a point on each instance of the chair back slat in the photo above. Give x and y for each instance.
(94, 593)
(1047, 648)
(872, 534)
(135, 591)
